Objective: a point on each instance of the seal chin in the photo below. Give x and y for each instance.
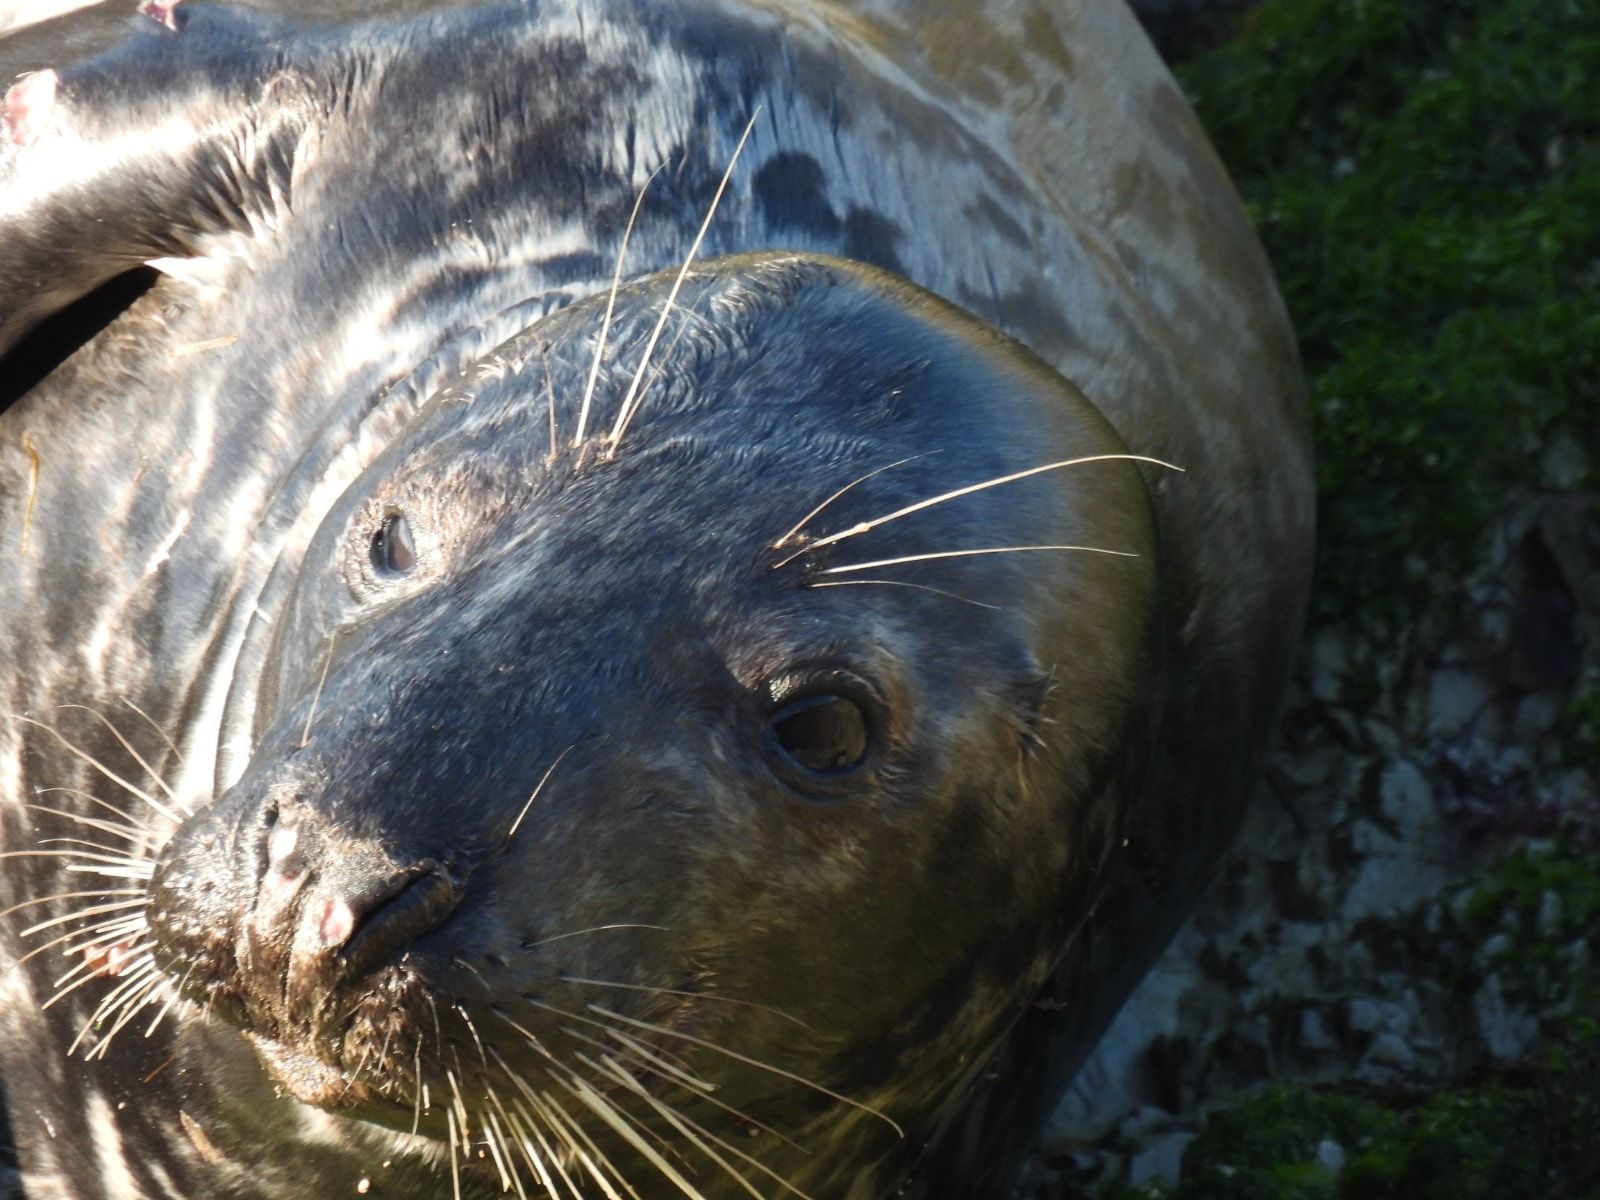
(309, 1079)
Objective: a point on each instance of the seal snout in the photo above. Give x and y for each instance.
(330, 907)
(280, 914)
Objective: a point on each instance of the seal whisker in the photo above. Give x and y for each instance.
(569, 1132)
(173, 1000)
(119, 855)
(532, 1129)
(132, 821)
(699, 1086)
(660, 1064)
(455, 1165)
(817, 511)
(550, 404)
(126, 745)
(459, 1107)
(611, 304)
(144, 975)
(416, 1092)
(629, 405)
(539, 787)
(89, 969)
(592, 929)
(956, 493)
(472, 1029)
(513, 1134)
(94, 910)
(105, 932)
(177, 754)
(131, 1006)
(916, 558)
(699, 1135)
(316, 696)
(127, 833)
(666, 991)
(561, 1074)
(78, 856)
(585, 1093)
(20, 905)
(748, 1061)
(918, 587)
(131, 994)
(650, 1061)
(88, 758)
(495, 1141)
(609, 1067)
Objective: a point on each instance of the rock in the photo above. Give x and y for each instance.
(1506, 1033)
(1330, 1156)
(1161, 1161)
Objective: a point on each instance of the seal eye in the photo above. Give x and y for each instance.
(826, 735)
(393, 551)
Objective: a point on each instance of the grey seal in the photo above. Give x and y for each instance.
(600, 599)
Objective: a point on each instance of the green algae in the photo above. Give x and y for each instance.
(1426, 177)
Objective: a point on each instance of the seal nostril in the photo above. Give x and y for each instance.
(392, 919)
(337, 924)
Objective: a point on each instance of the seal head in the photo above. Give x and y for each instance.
(594, 771)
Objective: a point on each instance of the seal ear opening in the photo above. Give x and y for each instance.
(64, 332)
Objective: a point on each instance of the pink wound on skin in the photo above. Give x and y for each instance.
(164, 11)
(110, 960)
(28, 105)
(338, 923)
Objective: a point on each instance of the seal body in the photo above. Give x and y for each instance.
(612, 612)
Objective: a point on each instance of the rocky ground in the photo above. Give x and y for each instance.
(1393, 989)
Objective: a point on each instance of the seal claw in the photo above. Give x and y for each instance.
(28, 105)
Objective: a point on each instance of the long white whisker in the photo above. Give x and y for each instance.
(509, 1180)
(160, 732)
(110, 931)
(916, 558)
(127, 833)
(533, 1128)
(592, 929)
(519, 1136)
(650, 1061)
(817, 511)
(748, 1061)
(88, 758)
(316, 696)
(510, 833)
(699, 1135)
(582, 1091)
(455, 1161)
(715, 997)
(19, 906)
(629, 406)
(611, 304)
(96, 910)
(128, 746)
(572, 1134)
(864, 526)
(670, 1117)
(132, 1007)
(900, 583)
(144, 975)
(132, 821)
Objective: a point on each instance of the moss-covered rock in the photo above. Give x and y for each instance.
(1426, 177)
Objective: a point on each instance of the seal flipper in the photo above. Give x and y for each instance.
(144, 152)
